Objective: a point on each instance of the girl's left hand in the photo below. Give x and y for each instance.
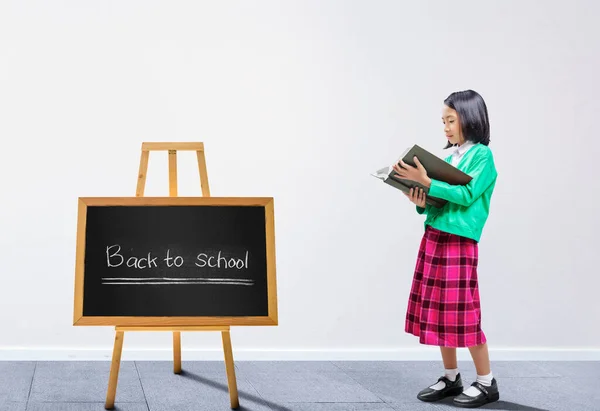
(408, 172)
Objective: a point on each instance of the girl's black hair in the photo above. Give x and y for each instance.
(472, 114)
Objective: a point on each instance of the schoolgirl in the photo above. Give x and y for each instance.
(444, 303)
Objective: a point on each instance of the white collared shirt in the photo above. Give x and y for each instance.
(459, 152)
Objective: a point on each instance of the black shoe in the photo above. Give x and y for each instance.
(487, 395)
(452, 388)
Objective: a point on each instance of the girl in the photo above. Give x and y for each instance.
(443, 306)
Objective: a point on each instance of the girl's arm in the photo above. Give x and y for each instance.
(483, 174)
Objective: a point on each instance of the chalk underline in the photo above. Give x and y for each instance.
(175, 282)
(171, 280)
(175, 279)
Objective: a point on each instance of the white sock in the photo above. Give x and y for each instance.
(450, 374)
(485, 380)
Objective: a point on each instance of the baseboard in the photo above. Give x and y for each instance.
(401, 354)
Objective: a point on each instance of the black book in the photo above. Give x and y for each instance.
(437, 169)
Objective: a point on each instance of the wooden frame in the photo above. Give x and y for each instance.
(171, 322)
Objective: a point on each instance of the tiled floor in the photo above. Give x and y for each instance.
(288, 386)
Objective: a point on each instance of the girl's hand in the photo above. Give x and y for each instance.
(417, 196)
(418, 173)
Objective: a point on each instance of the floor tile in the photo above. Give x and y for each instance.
(328, 406)
(190, 391)
(575, 369)
(13, 406)
(84, 406)
(248, 369)
(196, 367)
(393, 386)
(509, 369)
(81, 381)
(406, 367)
(422, 406)
(15, 382)
(317, 387)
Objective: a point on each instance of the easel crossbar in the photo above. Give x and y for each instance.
(173, 328)
(186, 146)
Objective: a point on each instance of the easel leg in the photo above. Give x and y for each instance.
(172, 173)
(143, 171)
(176, 352)
(114, 371)
(203, 174)
(233, 392)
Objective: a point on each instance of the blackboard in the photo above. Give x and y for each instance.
(175, 261)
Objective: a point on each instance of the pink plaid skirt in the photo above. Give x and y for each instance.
(443, 306)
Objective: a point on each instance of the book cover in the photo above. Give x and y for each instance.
(437, 169)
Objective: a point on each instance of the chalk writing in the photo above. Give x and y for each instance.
(177, 258)
(222, 261)
(115, 258)
(135, 262)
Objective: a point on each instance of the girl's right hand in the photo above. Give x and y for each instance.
(417, 196)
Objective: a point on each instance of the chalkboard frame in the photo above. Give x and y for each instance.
(83, 203)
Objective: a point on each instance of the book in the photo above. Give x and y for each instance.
(437, 169)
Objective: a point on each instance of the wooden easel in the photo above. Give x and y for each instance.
(172, 149)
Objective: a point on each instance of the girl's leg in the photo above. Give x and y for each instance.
(450, 366)
(481, 358)
(449, 358)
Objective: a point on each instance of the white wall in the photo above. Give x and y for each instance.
(271, 87)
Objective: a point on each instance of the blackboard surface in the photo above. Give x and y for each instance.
(194, 260)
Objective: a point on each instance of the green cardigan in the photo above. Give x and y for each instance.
(468, 206)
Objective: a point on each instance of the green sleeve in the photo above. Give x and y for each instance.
(422, 210)
(483, 173)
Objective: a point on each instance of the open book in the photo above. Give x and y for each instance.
(437, 169)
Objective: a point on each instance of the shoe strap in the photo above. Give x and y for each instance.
(446, 380)
(481, 388)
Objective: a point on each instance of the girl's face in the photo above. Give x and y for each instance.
(452, 127)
